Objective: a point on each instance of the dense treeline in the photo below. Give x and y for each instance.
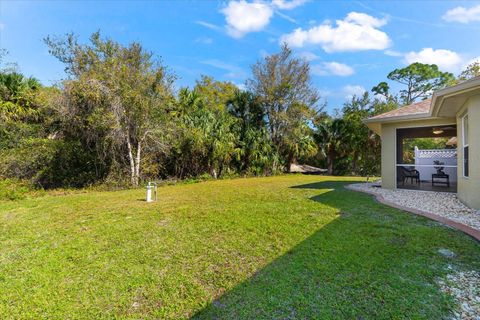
(117, 119)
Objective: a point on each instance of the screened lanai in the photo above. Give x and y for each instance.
(426, 158)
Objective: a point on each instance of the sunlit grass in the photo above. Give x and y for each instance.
(281, 247)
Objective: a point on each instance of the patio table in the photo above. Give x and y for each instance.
(440, 179)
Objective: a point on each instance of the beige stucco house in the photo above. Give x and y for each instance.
(452, 113)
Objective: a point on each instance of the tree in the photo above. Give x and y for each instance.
(283, 86)
(206, 141)
(355, 112)
(298, 142)
(215, 94)
(345, 143)
(330, 135)
(17, 96)
(120, 93)
(382, 89)
(421, 80)
(364, 144)
(244, 106)
(471, 71)
(256, 153)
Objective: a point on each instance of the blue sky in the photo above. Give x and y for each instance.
(351, 45)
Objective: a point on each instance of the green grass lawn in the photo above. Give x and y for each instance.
(282, 247)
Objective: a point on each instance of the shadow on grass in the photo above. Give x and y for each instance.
(325, 185)
(372, 262)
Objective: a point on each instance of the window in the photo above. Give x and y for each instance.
(465, 145)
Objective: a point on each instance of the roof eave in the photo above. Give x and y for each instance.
(418, 116)
(376, 124)
(439, 96)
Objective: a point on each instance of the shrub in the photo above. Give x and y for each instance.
(11, 189)
(27, 160)
(47, 163)
(71, 166)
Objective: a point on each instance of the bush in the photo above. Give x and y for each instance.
(26, 161)
(11, 189)
(71, 166)
(13, 133)
(47, 163)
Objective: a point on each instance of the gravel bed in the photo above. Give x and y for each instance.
(464, 287)
(445, 204)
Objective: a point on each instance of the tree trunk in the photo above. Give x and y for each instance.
(330, 160)
(290, 160)
(132, 163)
(137, 163)
(220, 170)
(354, 162)
(214, 173)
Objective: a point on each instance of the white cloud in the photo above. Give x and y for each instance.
(358, 31)
(364, 19)
(339, 69)
(287, 5)
(241, 86)
(332, 68)
(284, 16)
(297, 38)
(380, 97)
(243, 17)
(353, 90)
(469, 62)
(393, 53)
(208, 25)
(462, 14)
(445, 59)
(308, 56)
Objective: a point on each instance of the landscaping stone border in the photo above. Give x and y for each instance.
(474, 233)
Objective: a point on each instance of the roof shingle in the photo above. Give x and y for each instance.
(418, 108)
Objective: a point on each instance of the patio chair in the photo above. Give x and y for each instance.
(413, 174)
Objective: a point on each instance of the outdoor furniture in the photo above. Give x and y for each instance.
(442, 179)
(413, 174)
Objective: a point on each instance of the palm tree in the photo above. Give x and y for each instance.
(331, 136)
(16, 96)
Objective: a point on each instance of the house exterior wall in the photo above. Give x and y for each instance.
(389, 142)
(469, 188)
(388, 156)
